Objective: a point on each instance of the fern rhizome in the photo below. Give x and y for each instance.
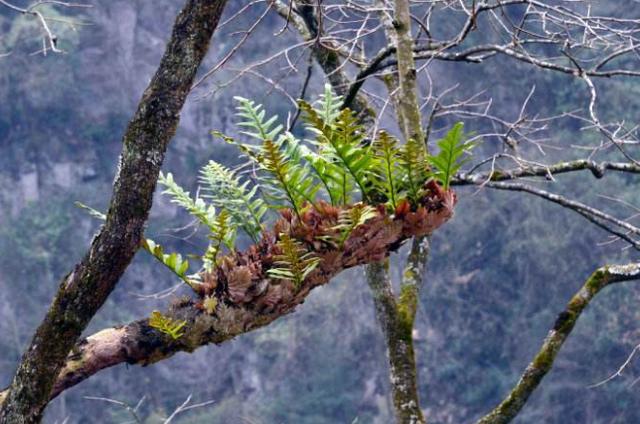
(310, 206)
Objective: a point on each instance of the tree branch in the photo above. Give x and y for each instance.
(543, 361)
(246, 297)
(597, 169)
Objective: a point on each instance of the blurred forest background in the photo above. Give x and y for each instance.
(499, 272)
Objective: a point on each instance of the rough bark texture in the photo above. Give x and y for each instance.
(85, 289)
(566, 321)
(396, 320)
(246, 297)
(411, 123)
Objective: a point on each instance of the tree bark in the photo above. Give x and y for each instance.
(83, 291)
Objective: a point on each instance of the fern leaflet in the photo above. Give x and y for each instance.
(350, 219)
(295, 263)
(167, 325)
(449, 159)
(224, 189)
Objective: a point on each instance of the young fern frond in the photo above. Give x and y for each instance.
(449, 159)
(224, 189)
(414, 168)
(341, 142)
(172, 261)
(385, 149)
(204, 213)
(295, 263)
(254, 120)
(329, 104)
(167, 325)
(223, 233)
(334, 179)
(285, 182)
(350, 219)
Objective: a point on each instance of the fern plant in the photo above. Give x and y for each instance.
(224, 189)
(450, 158)
(389, 175)
(167, 325)
(350, 219)
(341, 142)
(206, 214)
(223, 233)
(415, 169)
(289, 173)
(295, 263)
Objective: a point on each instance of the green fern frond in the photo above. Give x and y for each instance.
(224, 189)
(414, 168)
(288, 181)
(254, 120)
(295, 263)
(450, 159)
(329, 104)
(333, 178)
(350, 219)
(173, 261)
(386, 150)
(204, 213)
(223, 233)
(167, 325)
(341, 142)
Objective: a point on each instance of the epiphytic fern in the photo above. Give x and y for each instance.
(224, 189)
(449, 159)
(206, 214)
(223, 233)
(386, 150)
(341, 142)
(295, 263)
(350, 219)
(414, 168)
(167, 325)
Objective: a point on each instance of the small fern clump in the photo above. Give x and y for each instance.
(350, 219)
(295, 263)
(326, 187)
(167, 325)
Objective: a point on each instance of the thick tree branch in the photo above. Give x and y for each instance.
(85, 289)
(566, 321)
(245, 296)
